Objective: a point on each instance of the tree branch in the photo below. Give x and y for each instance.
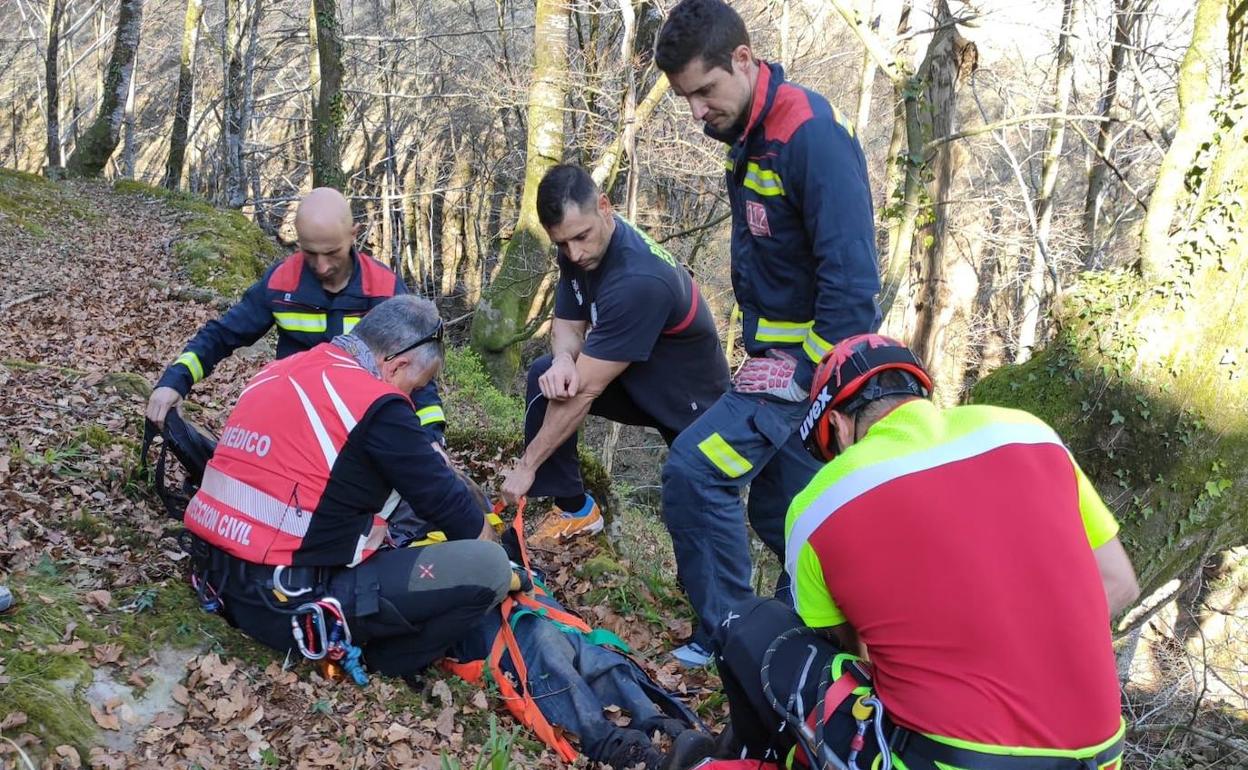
(988, 127)
(695, 228)
(883, 57)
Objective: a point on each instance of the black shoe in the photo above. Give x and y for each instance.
(689, 748)
(726, 745)
(630, 749)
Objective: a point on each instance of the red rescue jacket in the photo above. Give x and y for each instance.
(265, 480)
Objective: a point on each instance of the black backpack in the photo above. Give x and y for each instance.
(191, 447)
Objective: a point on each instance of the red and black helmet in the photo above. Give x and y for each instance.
(845, 381)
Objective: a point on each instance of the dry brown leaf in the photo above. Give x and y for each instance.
(446, 722)
(396, 732)
(180, 695)
(101, 598)
(168, 719)
(106, 653)
(14, 719)
(69, 753)
(480, 701)
(105, 720)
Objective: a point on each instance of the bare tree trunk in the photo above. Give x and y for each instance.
(454, 216)
(867, 79)
(128, 146)
(520, 292)
(233, 127)
(897, 185)
(1041, 260)
(328, 109)
(950, 59)
(99, 142)
(75, 107)
(1197, 97)
(1124, 22)
(55, 8)
(185, 98)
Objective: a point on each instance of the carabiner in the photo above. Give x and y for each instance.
(283, 590)
(318, 626)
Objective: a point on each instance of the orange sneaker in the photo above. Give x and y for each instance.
(560, 525)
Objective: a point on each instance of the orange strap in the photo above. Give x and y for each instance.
(518, 700)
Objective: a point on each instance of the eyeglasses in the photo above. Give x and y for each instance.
(433, 336)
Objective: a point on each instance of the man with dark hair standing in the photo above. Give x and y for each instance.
(631, 340)
(804, 273)
(320, 291)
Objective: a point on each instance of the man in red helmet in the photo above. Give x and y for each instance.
(967, 554)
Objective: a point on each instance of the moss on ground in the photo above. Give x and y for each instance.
(220, 249)
(42, 643)
(31, 203)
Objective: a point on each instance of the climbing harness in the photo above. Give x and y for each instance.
(835, 687)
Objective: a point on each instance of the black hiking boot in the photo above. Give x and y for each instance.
(688, 750)
(629, 750)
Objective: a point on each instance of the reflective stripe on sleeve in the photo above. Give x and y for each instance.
(815, 347)
(193, 364)
(430, 414)
(724, 456)
(349, 322)
(782, 331)
(301, 322)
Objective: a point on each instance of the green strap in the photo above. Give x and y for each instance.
(599, 637)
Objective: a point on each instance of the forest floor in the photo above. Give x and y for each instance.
(107, 660)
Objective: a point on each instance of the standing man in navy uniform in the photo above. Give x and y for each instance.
(314, 295)
(805, 275)
(631, 340)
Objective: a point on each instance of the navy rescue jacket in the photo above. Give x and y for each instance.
(290, 296)
(804, 265)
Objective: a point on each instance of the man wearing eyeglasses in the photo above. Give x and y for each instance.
(295, 507)
(321, 291)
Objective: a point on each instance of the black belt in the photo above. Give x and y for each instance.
(909, 743)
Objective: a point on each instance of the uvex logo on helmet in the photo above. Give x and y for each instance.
(846, 379)
(818, 403)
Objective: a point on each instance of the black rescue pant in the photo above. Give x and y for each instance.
(797, 676)
(560, 475)
(405, 606)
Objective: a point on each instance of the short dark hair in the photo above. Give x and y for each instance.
(562, 185)
(707, 29)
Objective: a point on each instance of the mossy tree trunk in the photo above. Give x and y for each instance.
(55, 9)
(520, 292)
(949, 62)
(1198, 92)
(1146, 379)
(185, 97)
(97, 145)
(327, 105)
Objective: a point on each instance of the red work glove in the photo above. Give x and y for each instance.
(771, 374)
